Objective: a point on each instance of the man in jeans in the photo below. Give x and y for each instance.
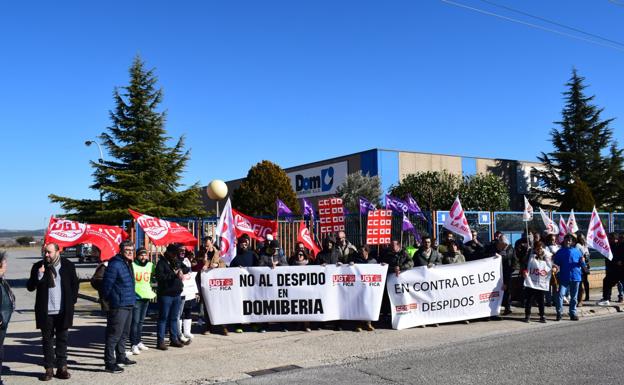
(569, 262)
(118, 290)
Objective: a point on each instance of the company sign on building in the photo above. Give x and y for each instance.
(322, 180)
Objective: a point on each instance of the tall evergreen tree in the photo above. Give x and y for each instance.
(584, 149)
(145, 172)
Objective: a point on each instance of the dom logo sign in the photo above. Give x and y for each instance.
(322, 180)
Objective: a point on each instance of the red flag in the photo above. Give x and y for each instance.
(70, 233)
(162, 232)
(305, 237)
(254, 227)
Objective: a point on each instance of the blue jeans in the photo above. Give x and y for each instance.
(168, 312)
(138, 316)
(571, 287)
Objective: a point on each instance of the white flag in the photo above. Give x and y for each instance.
(597, 237)
(572, 225)
(563, 230)
(527, 215)
(226, 231)
(551, 227)
(456, 221)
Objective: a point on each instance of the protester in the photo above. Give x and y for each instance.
(614, 270)
(363, 257)
(521, 249)
(169, 273)
(118, 290)
(473, 250)
(7, 306)
(452, 255)
(54, 278)
(189, 292)
(427, 255)
(569, 263)
(345, 248)
(271, 256)
(581, 244)
(501, 248)
(397, 259)
(536, 280)
(143, 276)
(301, 258)
(447, 238)
(96, 283)
(244, 258)
(329, 255)
(208, 257)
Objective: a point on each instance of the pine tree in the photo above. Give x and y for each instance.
(145, 172)
(578, 197)
(257, 194)
(583, 149)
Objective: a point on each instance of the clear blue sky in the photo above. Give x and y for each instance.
(289, 81)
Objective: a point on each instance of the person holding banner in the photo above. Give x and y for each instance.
(118, 290)
(614, 271)
(271, 255)
(397, 259)
(452, 255)
(345, 247)
(473, 249)
(569, 263)
(143, 275)
(536, 280)
(244, 258)
(363, 257)
(426, 255)
(169, 274)
(329, 255)
(581, 244)
(55, 280)
(501, 248)
(208, 257)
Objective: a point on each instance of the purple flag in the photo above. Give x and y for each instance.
(408, 226)
(366, 206)
(395, 204)
(413, 207)
(284, 211)
(308, 209)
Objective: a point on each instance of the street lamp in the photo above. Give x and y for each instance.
(89, 143)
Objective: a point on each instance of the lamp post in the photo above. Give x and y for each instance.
(88, 143)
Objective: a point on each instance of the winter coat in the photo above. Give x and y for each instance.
(69, 293)
(118, 283)
(400, 259)
(169, 284)
(435, 258)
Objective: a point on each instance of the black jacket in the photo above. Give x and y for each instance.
(69, 293)
(435, 258)
(329, 257)
(394, 259)
(169, 284)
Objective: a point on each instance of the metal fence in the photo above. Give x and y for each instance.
(486, 223)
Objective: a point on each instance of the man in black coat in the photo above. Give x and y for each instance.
(55, 280)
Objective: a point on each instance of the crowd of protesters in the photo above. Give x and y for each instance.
(126, 284)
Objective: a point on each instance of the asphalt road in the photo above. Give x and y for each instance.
(588, 352)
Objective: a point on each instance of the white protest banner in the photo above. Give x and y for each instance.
(446, 293)
(538, 274)
(293, 293)
(190, 286)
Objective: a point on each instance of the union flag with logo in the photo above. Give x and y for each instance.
(162, 232)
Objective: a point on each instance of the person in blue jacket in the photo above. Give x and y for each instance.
(569, 262)
(118, 290)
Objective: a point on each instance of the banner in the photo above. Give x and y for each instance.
(446, 293)
(67, 233)
(538, 275)
(597, 237)
(162, 232)
(379, 227)
(190, 286)
(293, 293)
(254, 227)
(331, 215)
(396, 205)
(456, 221)
(366, 206)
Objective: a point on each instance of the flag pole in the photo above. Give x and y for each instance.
(361, 228)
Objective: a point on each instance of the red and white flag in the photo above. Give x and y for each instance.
(162, 232)
(254, 227)
(572, 225)
(527, 215)
(597, 237)
(551, 227)
(457, 222)
(563, 229)
(227, 233)
(305, 237)
(67, 233)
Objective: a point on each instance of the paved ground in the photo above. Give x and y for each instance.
(382, 356)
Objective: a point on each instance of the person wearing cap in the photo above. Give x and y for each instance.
(271, 256)
(169, 273)
(329, 255)
(143, 273)
(501, 248)
(568, 262)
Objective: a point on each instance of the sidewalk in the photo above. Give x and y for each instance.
(215, 358)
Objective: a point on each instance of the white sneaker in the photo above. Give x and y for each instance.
(135, 350)
(183, 338)
(128, 353)
(604, 302)
(142, 347)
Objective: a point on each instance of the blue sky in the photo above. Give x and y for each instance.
(288, 81)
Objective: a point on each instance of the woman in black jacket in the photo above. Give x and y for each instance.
(169, 273)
